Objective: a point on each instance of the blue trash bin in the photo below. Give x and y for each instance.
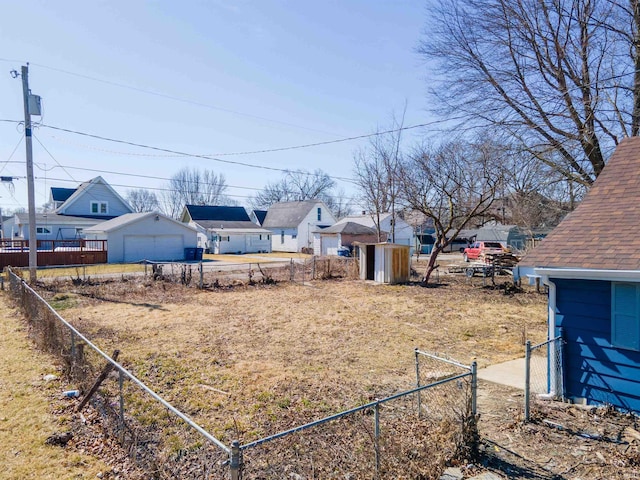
(199, 253)
(189, 254)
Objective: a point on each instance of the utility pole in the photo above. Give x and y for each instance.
(33, 241)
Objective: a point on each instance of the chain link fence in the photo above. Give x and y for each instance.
(543, 374)
(162, 440)
(209, 276)
(411, 434)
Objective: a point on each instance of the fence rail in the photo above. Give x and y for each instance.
(413, 432)
(543, 373)
(15, 253)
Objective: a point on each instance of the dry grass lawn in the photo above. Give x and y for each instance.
(26, 411)
(249, 360)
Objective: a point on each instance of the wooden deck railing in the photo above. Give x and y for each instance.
(15, 253)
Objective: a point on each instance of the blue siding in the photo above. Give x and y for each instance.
(593, 368)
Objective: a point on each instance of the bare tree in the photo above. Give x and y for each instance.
(376, 173)
(142, 200)
(535, 196)
(296, 186)
(191, 186)
(560, 76)
(452, 185)
(339, 204)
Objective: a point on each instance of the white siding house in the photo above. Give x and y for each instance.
(224, 229)
(93, 202)
(292, 224)
(49, 226)
(144, 236)
(95, 199)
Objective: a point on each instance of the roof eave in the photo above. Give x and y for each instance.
(588, 274)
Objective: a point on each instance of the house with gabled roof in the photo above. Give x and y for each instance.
(343, 235)
(403, 232)
(92, 202)
(226, 229)
(591, 265)
(92, 199)
(292, 224)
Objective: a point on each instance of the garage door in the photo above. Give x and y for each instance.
(329, 245)
(153, 247)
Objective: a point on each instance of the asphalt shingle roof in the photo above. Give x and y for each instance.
(59, 194)
(288, 214)
(602, 233)
(349, 228)
(217, 213)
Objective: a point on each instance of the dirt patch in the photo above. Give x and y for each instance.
(562, 441)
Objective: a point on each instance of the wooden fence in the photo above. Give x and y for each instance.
(15, 253)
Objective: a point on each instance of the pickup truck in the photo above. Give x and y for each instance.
(479, 249)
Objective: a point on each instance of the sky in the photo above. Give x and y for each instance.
(216, 78)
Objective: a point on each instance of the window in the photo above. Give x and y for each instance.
(319, 214)
(79, 231)
(294, 236)
(43, 230)
(282, 236)
(100, 208)
(625, 315)
(268, 237)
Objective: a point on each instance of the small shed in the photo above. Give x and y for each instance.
(144, 236)
(384, 262)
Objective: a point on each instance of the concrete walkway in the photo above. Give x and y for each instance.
(511, 373)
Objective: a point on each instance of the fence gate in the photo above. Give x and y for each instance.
(543, 373)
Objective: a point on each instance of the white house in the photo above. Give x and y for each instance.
(144, 236)
(95, 199)
(49, 226)
(343, 234)
(93, 202)
(292, 224)
(404, 234)
(224, 229)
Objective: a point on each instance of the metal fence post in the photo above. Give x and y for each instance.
(291, 271)
(376, 436)
(418, 381)
(200, 270)
(560, 364)
(474, 388)
(121, 385)
(235, 460)
(527, 380)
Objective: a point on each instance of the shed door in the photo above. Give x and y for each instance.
(371, 262)
(153, 247)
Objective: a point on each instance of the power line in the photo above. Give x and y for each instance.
(178, 99)
(152, 177)
(182, 154)
(12, 153)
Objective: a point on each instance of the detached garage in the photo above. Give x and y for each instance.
(144, 236)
